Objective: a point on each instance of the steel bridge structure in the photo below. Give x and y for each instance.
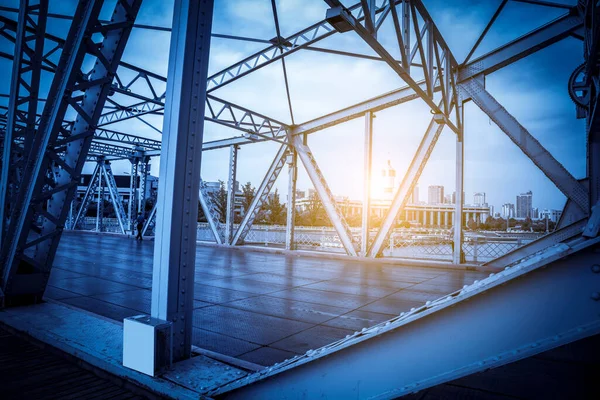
(46, 138)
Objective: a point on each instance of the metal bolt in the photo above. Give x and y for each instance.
(595, 296)
(596, 268)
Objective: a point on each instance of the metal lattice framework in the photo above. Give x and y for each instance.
(44, 153)
(426, 63)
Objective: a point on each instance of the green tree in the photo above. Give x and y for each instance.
(315, 214)
(248, 194)
(219, 199)
(274, 211)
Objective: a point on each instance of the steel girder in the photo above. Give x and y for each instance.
(366, 206)
(150, 223)
(233, 150)
(180, 162)
(87, 197)
(292, 161)
(554, 170)
(524, 46)
(115, 198)
(407, 185)
(592, 79)
(509, 53)
(261, 195)
(102, 177)
(144, 168)
(389, 360)
(322, 189)
(21, 115)
(85, 94)
(210, 212)
(282, 48)
(437, 62)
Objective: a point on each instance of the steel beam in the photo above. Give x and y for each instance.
(181, 153)
(468, 331)
(150, 221)
(292, 161)
(229, 216)
(322, 189)
(87, 197)
(407, 185)
(366, 206)
(115, 198)
(522, 47)
(558, 236)
(24, 90)
(554, 170)
(261, 195)
(211, 214)
(457, 239)
(426, 95)
(36, 191)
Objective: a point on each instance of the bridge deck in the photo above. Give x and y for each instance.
(255, 306)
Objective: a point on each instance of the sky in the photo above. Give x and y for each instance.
(534, 90)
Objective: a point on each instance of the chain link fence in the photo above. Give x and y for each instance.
(431, 244)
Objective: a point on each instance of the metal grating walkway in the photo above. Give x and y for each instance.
(256, 306)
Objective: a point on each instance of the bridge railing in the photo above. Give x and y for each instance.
(423, 244)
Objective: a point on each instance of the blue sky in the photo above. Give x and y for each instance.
(534, 90)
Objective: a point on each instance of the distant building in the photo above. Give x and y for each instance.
(389, 176)
(535, 213)
(300, 194)
(415, 196)
(552, 215)
(524, 205)
(454, 198)
(312, 192)
(479, 199)
(448, 199)
(435, 195)
(508, 210)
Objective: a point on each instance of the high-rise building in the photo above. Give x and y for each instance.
(415, 195)
(524, 205)
(435, 195)
(479, 199)
(508, 210)
(454, 198)
(448, 199)
(389, 175)
(535, 213)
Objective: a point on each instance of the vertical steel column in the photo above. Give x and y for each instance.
(291, 202)
(144, 169)
(231, 194)
(99, 205)
(366, 209)
(181, 153)
(458, 207)
(132, 196)
(406, 32)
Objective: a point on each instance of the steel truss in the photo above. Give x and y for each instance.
(21, 114)
(426, 64)
(101, 178)
(57, 151)
(52, 172)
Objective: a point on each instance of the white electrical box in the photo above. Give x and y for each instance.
(147, 344)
